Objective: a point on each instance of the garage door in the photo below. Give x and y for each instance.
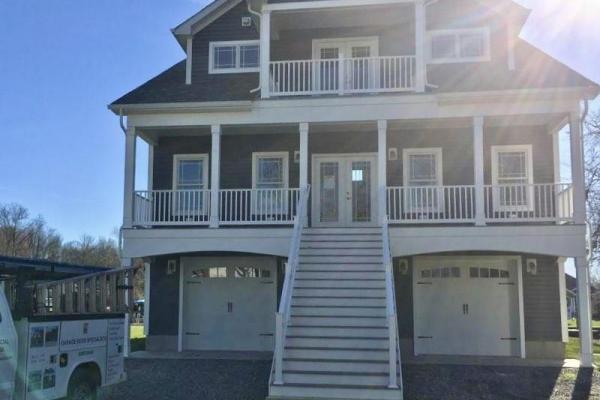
(467, 306)
(229, 303)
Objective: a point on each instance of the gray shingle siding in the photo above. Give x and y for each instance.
(164, 298)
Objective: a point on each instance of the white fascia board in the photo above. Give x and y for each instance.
(201, 107)
(304, 5)
(553, 240)
(351, 109)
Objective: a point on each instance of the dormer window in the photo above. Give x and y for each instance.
(461, 45)
(233, 57)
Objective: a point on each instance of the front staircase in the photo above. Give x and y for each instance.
(337, 341)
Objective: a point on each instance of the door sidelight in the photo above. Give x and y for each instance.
(465, 308)
(229, 307)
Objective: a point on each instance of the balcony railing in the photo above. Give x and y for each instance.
(533, 202)
(431, 204)
(546, 202)
(342, 75)
(236, 207)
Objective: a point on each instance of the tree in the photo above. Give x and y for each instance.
(89, 251)
(592, 185)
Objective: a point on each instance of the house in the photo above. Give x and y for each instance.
(354, 184)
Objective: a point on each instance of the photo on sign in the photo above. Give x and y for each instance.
(51, 336)
(34, 381)
(37, 337)
(49, 378)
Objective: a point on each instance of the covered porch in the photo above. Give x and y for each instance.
(416, 172)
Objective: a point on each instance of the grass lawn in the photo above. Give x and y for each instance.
(573, 324)
(137, 338)
(572, 350)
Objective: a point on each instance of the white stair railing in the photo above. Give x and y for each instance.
(395, 379)
(283, 314)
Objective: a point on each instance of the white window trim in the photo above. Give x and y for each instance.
(237, 44)
(527, 148)
(183, 157)
(456, 33)
(437, 151)
(371, 41)
(284, 155)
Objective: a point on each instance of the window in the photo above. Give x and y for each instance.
(512, 178)
(210, 273)
(190, 179)
(270, 174)
(233, 57)
(251, 272)
(423, 179)
(441, 272)
(465, 45)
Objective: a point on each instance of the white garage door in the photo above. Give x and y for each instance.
(467, 306)
(229, 303)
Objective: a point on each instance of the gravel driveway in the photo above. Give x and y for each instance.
(247, 380)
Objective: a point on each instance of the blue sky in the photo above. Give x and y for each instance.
(63, 61)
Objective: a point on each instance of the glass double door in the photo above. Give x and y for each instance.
(344, 190)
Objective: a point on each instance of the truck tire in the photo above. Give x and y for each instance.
(82, 386)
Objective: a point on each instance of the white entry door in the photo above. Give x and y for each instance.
(467, 306)
(229, 303)
(344, 191)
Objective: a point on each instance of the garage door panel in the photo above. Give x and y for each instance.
(466, 305)
(229, 303)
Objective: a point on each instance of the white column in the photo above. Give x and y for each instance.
(303, 155)
(381, 168)
(146, 299)
(577, 174)
(478, 170)
(556, 154)
(584, 310)
(150, 166)
(215, 173)
(420, 27)
(562, 290)
(129, 182)
(265, 53)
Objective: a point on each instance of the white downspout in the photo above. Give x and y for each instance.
(257, 14)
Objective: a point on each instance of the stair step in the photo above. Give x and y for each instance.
(337, 342)
(329, 251)
(338, 353)
(367, 283)
(335, 331)
(326, 301)
(339, 292)
(339, 379)
(298, 391)
(375, 311)
(314, 266)
(341, 244)
(322, 274)
(358, 366)
(343, 231)
(346, 321)
(340, 259)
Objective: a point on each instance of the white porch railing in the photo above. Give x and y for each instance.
(236, 207)
(258, 206)
(539, 202)
(395, 379)
(342, 75)
(431, 204)
(283, 314)
(171, 207)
